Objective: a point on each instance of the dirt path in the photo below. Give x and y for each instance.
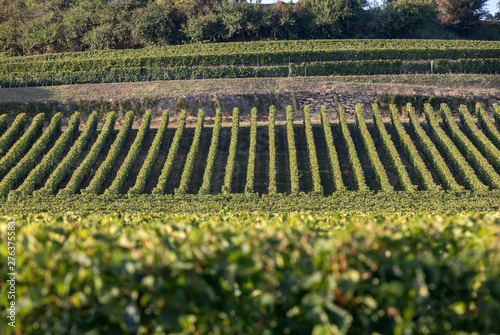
(443, 84)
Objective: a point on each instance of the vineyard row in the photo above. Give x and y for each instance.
(268, 52)
(439, 154)
(49, 76)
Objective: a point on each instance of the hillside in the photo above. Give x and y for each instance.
(325, 187)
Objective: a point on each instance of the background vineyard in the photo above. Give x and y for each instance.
(253, 59)
(389, 155)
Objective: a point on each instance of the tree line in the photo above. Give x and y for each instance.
(47, 26)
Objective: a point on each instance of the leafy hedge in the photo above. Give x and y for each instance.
(487, 125)
(154, 150)
(332, 152)
(357, 170)
(107, 166)
(131, 158)
(292, 153)
(167, 60)
(376, 164)
(411, 152)
(481, 142)
(16, 151)
(191, 157)
(273, 189)
(233, 146)
(391, 151)
(161, 184)
(311, 150)
(27, 163)
(469, 151)
(64, 168)
(432, 153)
(301, 273)
(251, 152)
(85, 167)
(38, 174)
(3, 123)
(355, 201)
(321, 68)
(287, 48)
(12, 134)
(452, 153)
(212, 153)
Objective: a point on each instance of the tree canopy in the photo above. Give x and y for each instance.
(46, 26)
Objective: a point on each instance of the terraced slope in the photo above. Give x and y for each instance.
(252, 59)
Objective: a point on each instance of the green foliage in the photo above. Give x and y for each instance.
(32, 27)
(452, 153)
(261, 59)
(432, 153)
(251, 152)
(64, 168)
(410, 150)
(15, 152)
(212, 153)
(86, 166)
(391, 151)
(38, 174)
(156, 25)
(242, 273)
(476, 149)
(131, 158)
(311, 150)
(106, 167)
(233, 146)
(147, 166)
(272, 152)
(332, 152)
(461, 15)
(206, 28)
(496, 113)
(357, 170)
(403, 19)
(172, 154)
(487, 125)
(419, 101)
(333, 18)
(10, 136)
(469, 151)
(191, 157)
(292, 153)
(376, 164)
(481, 142)
(27, 163)
(3, 123)
(351, 201)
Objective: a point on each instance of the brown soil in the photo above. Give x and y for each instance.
(444, 84)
